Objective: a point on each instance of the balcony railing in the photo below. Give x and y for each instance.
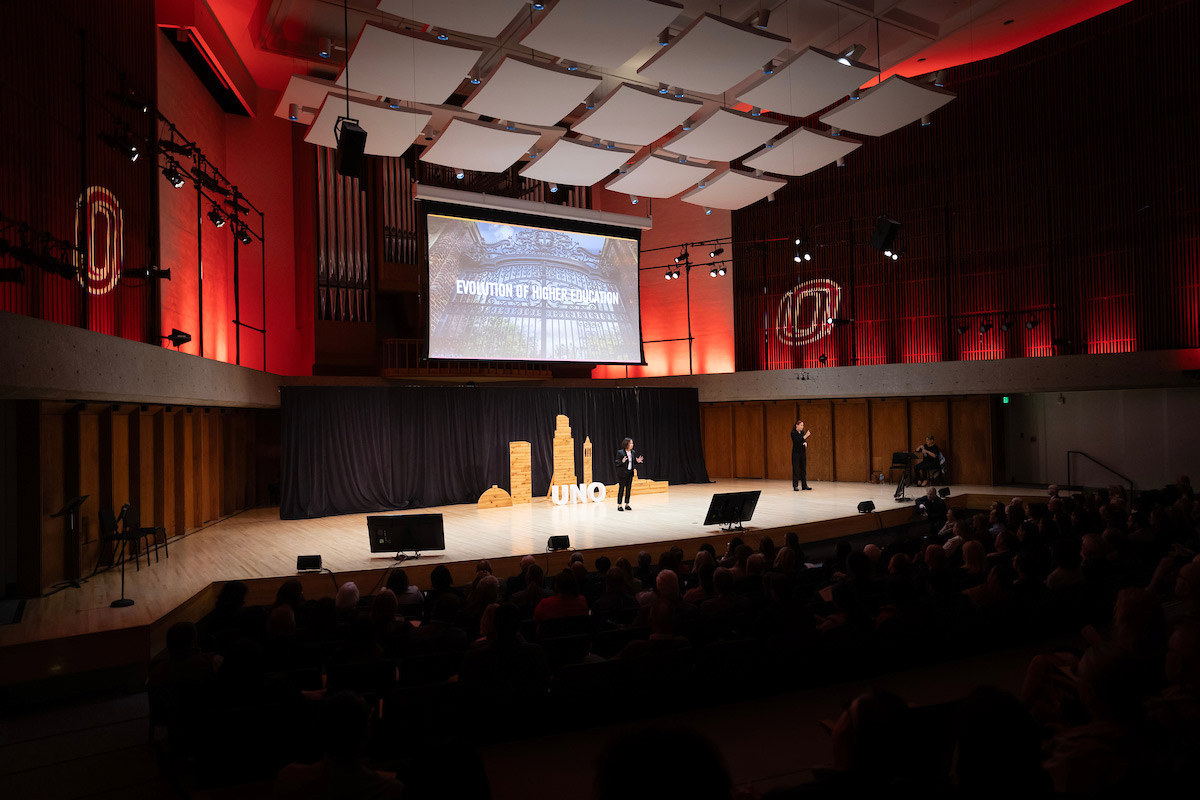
(402, 358)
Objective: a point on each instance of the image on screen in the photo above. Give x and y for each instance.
(501, 291)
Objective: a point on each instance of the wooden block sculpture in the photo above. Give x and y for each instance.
(564, 455)
(587, 460)
(520, 472)
(494, 497)
(641, 486)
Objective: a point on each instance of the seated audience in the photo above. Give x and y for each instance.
(565, 602)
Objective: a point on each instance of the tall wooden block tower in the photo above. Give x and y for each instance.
(520, 472)
(564, 455)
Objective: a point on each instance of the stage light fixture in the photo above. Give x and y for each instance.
(590, 102)
(721, 270)
(925, 120)
(822, 358)
(763, 19)
(243, 235)
(351, 146)
(668, 275)
(428, 132)
(12, 275)
(715, 253)
(324, 47)
(122, 143)
(755, 111)
(185, 149)
(172, 175)
(664, 38)
(147, 273)
(677, 93)
(442, 36)
(769, 68)
(216, 217)
(633, 199)
(663, 88)
(688, 124)
(984, 327)
(611, 145)
(553, 188)
(293, 111)
(835, 131)
(458, 173)
(538, 6)
(852, 54)
(707, 210)
(683, 255)
(841, 161)
(1006, 325)
(1031, 323)
(393, 103)
(534, 153)
(712, 273)
(177, 337)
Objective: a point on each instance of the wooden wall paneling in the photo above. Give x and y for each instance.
(779, 420)
(23, 489)
(141, 467)
(749, 454)
(87, 454)
(852, 445)
(52, 469)
(166, 488)
(971, 432)
(250, 460)
(889, 432)
(195, 433)
(185, 496)
(929, 416)
(719, 442)
(212, 421)
(818, 418)
(227, 476)
(117, 424)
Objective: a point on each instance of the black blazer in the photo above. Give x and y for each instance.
(621, 464)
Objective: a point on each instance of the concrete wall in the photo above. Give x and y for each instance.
(1151, 435)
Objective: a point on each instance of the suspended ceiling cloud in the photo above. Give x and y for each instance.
(802, 151)
(712, 55)
(406, 65)
(537, 94)
(478, 17)
(603, 33)
(479, 146)
(308, 93)
(635, 115)
(733, 189)
(891, 105)
(806, 83)
(724, 136)
(659, 176)
(390, 131)
(575, 163)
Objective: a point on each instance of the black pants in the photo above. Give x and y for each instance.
(624, 485)
(924, 468)
(799, 469)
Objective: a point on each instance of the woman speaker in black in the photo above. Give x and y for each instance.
(626, 458)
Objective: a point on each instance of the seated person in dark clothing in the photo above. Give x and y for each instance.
(934, 509)
(616, 597)
(439, 634)
(409, 598)
(518, 582)
(666, 589)
(184, 664)
(565, 602)
(528, 598)
(751, 583)
(727, 601)
(931, 456)
(662, 618)
(507, 671)
(346, 724)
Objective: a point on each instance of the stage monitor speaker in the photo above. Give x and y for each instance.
(558, 543)
(885, 232)
(351, 143)
(944, 491)
(308, 563)
(415, 532)
(865, 506)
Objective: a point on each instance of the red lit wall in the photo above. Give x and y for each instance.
(664, 304)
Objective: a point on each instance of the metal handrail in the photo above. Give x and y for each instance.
(1098, 463)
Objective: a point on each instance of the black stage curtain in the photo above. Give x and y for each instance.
(353, 449)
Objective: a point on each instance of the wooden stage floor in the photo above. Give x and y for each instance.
(257, 547)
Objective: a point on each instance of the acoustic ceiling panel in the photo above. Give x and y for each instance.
(712, 55)
(635, 115)
(724, 136)
(390, 131)
(806, 83)
(406, 65)
(733, 189)
(658, 176)
(603, 33)
(575, 163)
(538, 94)
(892, 104)
(477, 17)
(802, 151)
(479, 146)
(309, 93)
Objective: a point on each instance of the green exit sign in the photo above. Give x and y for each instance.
(1005, 399)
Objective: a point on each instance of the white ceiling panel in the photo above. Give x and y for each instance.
(603, 33)
(478, 17)
(806, 83)
(635, 115)
(724, 136)
(659, 176)
(802, 151)
(892, 104)
(309, 94)
(524, 91)
(390, 131)
(479, 146)
(574, 162)
(407, 65)
(712, 55)
(733, 189)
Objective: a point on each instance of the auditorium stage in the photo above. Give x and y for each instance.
(257, 547)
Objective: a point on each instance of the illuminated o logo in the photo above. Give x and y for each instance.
(98, 231)
(794, 325)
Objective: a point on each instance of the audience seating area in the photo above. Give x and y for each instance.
(407, 677)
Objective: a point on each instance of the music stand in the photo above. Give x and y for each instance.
(69, 512)
(731, 508)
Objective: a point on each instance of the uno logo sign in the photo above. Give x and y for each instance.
(98, 232)
(580, 493)
(803, 313)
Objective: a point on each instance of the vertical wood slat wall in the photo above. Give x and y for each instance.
(851, 438)
(1042, 192)
(182, 468)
